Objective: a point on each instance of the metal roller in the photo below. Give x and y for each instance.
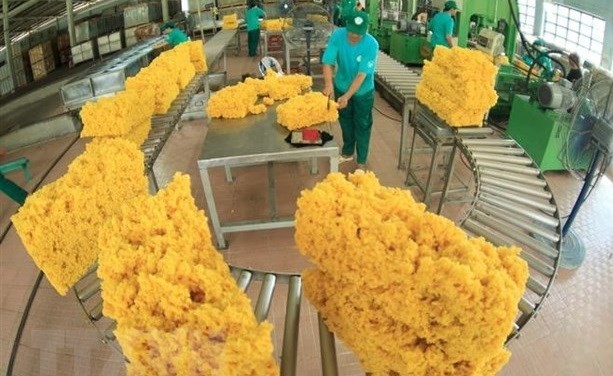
(513, 196)
(244, 280)
(522, 210)
(517, 187)
(474, 131)
(96, 313)
(503, 158)
(536, 286)
(503, 240)
(488, 142)
(289, 352)
(518, 220)
(509, 167)
(327, 347)
(525, 306)
(265, 297)
(495, 150)
(91, 289)
(515, 234)
(511, 176)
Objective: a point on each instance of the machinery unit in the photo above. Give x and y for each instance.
(493, 15)
(490, 42)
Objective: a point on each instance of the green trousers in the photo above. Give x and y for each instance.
(253, 39)
(15, 192)
(356, 124)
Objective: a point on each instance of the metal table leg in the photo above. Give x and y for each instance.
(448, 177)
(153, 183)
(314, 167)
(403, 125)
(433, 167)
(229, 177)
(210, 202)
(329, 367)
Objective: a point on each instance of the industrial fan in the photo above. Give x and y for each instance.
(285, 6)
(589, 142)
(309, 31)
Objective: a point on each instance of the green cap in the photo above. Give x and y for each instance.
(168, 25)
(357, 22)
(451, 5)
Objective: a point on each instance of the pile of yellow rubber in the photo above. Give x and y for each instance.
(128, 114)
(307, 110)
(59, 223)
(172, 294)
(240, 100)
(458, 85)
(406, 289)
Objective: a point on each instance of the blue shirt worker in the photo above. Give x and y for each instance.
(174, 35)
(252, 17)
(442, 25)
(354, 53)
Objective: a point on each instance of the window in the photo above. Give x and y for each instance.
(527, 12)
(575, 31)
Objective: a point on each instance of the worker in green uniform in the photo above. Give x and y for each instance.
(442, 25)
(354, 53)
(174, 35)
(543, 61)
(252, 17)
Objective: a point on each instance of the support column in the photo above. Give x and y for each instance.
(539, 18)
(70, 19)
(165, 13)
(7, 42)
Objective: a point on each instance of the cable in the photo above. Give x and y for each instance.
(39, 278)
(386, 115)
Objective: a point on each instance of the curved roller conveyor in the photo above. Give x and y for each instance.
(513, 205)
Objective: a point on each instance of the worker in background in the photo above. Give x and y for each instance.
(442, 25)
(253, 16)
(575, 68)
(354, 53)
(544, 62)
(174, 35)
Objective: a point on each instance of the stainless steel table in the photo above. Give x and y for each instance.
(256, 139)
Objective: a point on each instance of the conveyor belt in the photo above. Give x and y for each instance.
(398, 82)
(513, 205)
(163, 125)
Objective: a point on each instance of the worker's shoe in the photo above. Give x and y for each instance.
(345, 158)
(361, 167)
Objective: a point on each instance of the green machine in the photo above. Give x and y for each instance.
(478, 22)
(546, 129)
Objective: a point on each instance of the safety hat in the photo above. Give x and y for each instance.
(451, 5)
(357, 22)
(168, 25)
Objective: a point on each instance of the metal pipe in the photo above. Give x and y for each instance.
(327, 346)
(289, 352)
(519, 209)
(7, 43)
(510, 176)
(244, 280)
(517, 187)
(538, 204)
(70, 19)
(265, 297)
(508, 167)
(495, 150)
(165, 12)
(583, 193)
